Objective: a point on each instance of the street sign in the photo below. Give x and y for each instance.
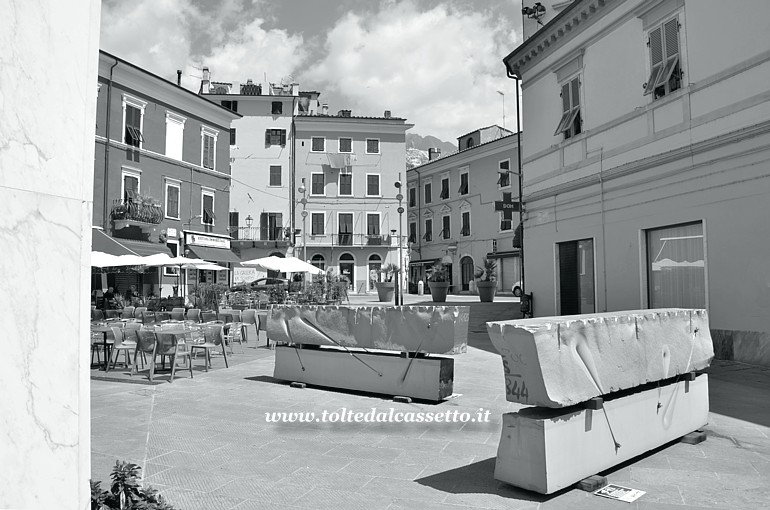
(506, 206)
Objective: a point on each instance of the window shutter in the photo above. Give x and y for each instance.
(575, 93)
(671, 35)
(267, 137)
(206, 155)
(283, 137)
(565, 103)
(279, 225)
(656, 59)
(263, 226)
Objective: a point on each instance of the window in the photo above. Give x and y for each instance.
(372, 185)
(276, 108)
(412, 232)
(232, 136)
(444, 188)
(345, 229)
(446, 227)
(463, 183)
(346, 184)
(207, 207)
(676, 267)
(505, 175)
(318, 144)
(570, 123)
(234, 224)
(428, 192)
(230, 105)
(271, 226)
(172, 199)
(317, 221)
(133, 132)
(174, 135)
(428, 235)
(318, 261)
(275, 175)
(576, 277)
(345, 145)
(665, 67)
(317, 184)
(372, 224)
(208, 147)
(275, 137)
(412, 197)
(372, 146)
(130, 185)
(465, 230)
(506, 216)
(470, 143)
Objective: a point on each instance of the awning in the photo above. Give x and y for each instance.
(106, 244)
(424, 262)
(145, 248)
(215, 254)
(502, 254)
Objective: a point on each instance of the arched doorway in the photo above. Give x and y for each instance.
(466, 270)
(318, 261)
(375, 264)
(348, 269)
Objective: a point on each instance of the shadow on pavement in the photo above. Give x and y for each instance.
(740, 391)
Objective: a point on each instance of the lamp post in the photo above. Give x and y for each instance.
(249, 222)
(303, 201)
(400, 197)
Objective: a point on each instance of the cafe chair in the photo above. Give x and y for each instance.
(213, 339)
(162, 316)
(169, 345)
(97, 315)
(120, 343)
(250, 324)
(138, 311)
(194, 314)
(177, 314)
(127, 313)
(97, 346)
(208, 316)
(233, 334)
(148, 318)
(113, 314)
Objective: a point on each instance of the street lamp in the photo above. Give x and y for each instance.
(400, 209)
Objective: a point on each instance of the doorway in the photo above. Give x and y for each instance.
(466, 271)
(576, 277)
(347, 269)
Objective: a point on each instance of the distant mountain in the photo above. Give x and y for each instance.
(417, 148)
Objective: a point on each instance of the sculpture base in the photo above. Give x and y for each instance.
(423, 377)
(545, 450)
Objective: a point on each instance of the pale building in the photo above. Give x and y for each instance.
(452, 216)
(644, 154)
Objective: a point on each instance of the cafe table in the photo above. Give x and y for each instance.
(104, 329)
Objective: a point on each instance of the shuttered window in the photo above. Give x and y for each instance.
(446, 227)
(317, 224)
(463, 184)
(428, 236)
(665, 67)
(346, 184)
(275, 137)
(207, 161)
(571, 122)
(466, 224)
(133, 134)
(444, 188)
(373, 224)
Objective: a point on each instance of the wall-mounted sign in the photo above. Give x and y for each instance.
(501, 205)
(171, 232)
(204, 240)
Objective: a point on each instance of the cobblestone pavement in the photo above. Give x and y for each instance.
(205, 443)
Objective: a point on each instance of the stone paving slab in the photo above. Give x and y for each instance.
(205, 443)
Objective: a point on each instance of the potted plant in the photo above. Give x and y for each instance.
(486, 280)
(386, 287)
(438, 282)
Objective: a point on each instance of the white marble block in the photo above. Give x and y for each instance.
(561, 361)
(431, 329)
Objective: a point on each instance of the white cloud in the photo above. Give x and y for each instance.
(440, 68)
(228, 37)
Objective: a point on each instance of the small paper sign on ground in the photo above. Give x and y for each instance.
(613, 491)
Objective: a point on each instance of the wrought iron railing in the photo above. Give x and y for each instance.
(146, 210)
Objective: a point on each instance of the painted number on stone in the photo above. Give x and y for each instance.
(512, 384)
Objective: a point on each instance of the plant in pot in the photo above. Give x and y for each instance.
(486, 280)
(386, 287)
(438, 282)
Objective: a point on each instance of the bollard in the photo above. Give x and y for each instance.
(420, 288)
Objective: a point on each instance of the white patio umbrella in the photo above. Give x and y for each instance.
(283, 265)
(101, 259)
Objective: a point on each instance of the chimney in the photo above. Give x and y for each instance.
(387, 114)
(433, 153)
(179, 77)
(325, 109)
(205, 81)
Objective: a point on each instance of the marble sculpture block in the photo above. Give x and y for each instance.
(431, 329)
(561, 361)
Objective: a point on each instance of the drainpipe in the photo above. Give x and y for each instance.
(105, 215)
(516, 77)
(293, 177)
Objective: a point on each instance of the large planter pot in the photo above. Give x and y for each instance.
(438, 291)
(486, 291)
(385, 291)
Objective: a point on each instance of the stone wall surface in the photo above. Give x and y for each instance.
(562, 361)
(432, 329)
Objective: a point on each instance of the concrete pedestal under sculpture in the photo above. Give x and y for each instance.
(638, 363)
(388, 350)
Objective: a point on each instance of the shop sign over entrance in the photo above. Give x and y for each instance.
(204, 240)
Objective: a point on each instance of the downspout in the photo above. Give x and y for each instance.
(514, 76)
(105, 215)
(419, 218)
(293, 178)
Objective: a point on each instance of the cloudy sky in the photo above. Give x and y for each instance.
(436, 63)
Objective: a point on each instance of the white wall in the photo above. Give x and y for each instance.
(49, 51)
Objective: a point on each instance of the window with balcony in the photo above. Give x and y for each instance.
(318, 144)
(275, 137)
(444, 188)
(373, 229)
(372, 185)
(317, 184)
(665, 65)
(172, 199)
(345, 229)
(571, 122)
(345, 145)
(428, 235)
(346, 185)
(372, 145)
(207, 208)
(504, 179)
(463, 190)
(130, 185)
(275, 175)
(465, 229)
(271, 226)
(317, 221)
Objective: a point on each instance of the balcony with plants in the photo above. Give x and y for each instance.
(142, 212)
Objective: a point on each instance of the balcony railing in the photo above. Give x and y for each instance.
(259, 234)
(136, 210)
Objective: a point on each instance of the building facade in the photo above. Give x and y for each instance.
(345, 209)
(162, 173)
(644, 155)
(452, 214)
